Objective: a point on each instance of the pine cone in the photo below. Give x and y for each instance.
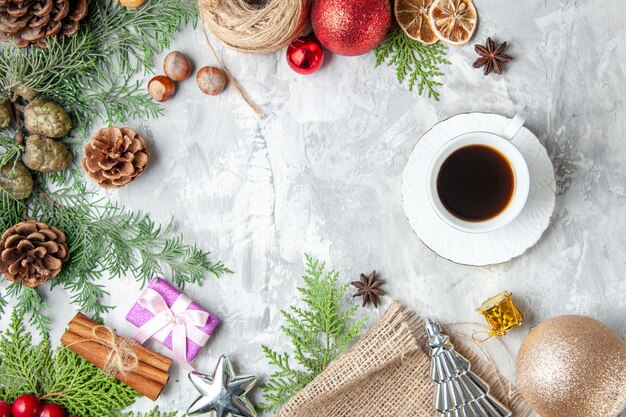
(115, 156)
(15, 180)
(46, 119)
(32, 22)
(32, 252)
(45, 154)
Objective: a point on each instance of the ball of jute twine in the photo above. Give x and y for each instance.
(252, 28)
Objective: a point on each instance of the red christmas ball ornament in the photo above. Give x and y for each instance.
(5, 409)
(305, 55)
(52, 410)
(26, 406)
(351, 27)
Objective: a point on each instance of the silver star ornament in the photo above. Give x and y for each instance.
(224, 393)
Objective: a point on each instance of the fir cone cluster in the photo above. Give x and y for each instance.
(115, 156)
(46, 122)
(32, 252)
(32, 22)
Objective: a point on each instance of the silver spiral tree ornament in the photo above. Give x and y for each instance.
(459, 391)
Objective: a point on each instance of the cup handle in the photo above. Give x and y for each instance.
(514, 127)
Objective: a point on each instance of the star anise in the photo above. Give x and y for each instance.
(368, 288)
(491, 56)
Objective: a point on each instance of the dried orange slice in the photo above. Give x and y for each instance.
(453, 21)
(412, 16)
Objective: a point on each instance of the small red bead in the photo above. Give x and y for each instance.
(5, 409)
(52, 410)
(26, 406)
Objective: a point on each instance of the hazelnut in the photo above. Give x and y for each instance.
(211, 80)
(131, 4)
(161, 88)
(177, 66)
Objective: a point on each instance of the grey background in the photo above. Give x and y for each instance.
(322, 174)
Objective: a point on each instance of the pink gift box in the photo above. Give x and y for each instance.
(140, 315)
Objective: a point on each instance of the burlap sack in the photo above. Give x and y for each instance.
(387, 374)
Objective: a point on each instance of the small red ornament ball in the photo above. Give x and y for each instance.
(5, 409)
(305, 55)
(26, 406)
(52, 410)
(351, 27)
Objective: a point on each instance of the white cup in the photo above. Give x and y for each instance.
(521, 177)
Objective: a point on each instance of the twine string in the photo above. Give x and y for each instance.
(52, 394)
(508, 386)
(121, 359)
(482, 339)
(232, 80)
(254, 28)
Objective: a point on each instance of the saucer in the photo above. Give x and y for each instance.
(478, 249)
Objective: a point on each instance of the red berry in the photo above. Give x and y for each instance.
(52, 410)
(26, 406)
(5, 409)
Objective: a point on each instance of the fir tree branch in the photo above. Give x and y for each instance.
(11, 211)
(319, 333)
(93, 75)
(414, 61)
(11, 149)
(18, 357)
(29, 302)
(86, 390)
(104, 238)
(88, 73)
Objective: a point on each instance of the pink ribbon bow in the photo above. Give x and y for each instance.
(183, 324)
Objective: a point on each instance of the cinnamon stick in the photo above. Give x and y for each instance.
(97, 354)
(146, 355)
(142, 368)
(147, 379)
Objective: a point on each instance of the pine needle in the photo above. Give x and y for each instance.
(155, 412)
(420, 63)
(319, 333)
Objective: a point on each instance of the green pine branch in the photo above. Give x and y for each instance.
(11, 151)
(103, 238)
(93, 75)
(415, 62)
(61, 377)
(90, 74)
(319, 332)
(30, 303)
(11, 211)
